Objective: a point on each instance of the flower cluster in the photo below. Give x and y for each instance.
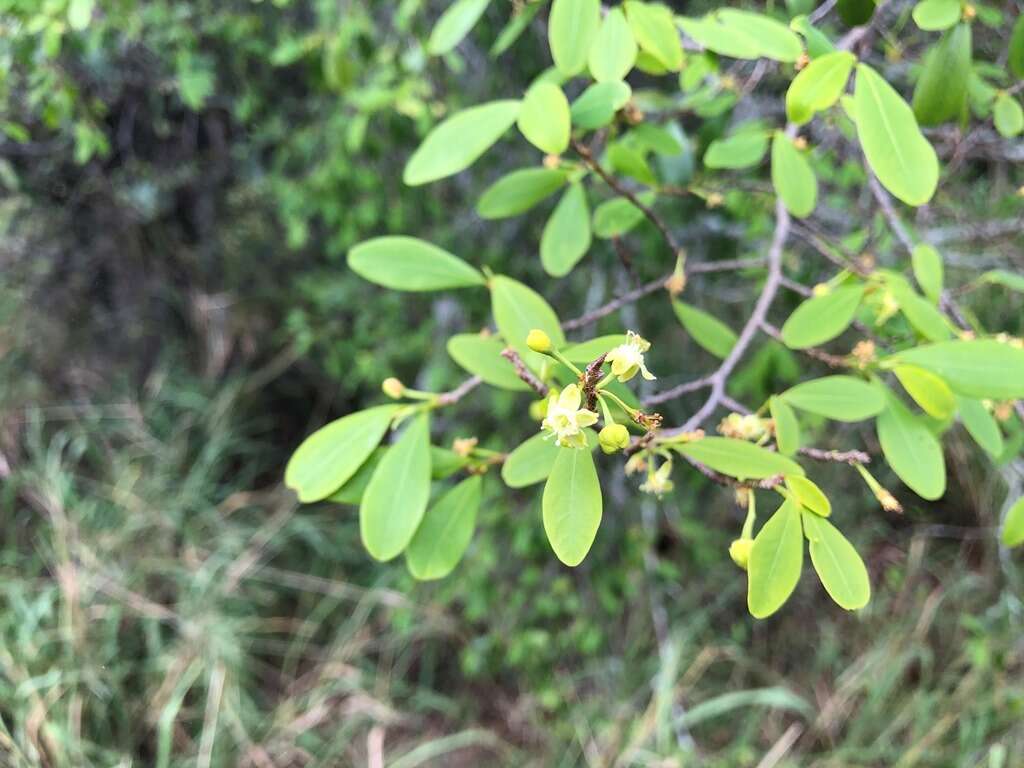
(565, 419)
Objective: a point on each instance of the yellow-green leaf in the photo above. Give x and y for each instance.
(481, 356)
(613, 52)
(981, 425)
(840, 398)
(456, 143)
(572, 27)
(840, 568)
(445, 532)
(792, 177)
(572, 505)
(518, 191)
(588, 351)
(517, 310)
(928, 271)
(738, 458)
(408, 264)
(741, 150)
(896, 150)
(326, 460)
(1015, 50)
(787, 428)
(822, 318)
(616, 217)
(1008, 116)
(776, 559)
(818, 85)
(935, 15)
(1013, 527)
(655, 31)
(982, 368)
(927, 390)
(810, 496)
(920, 313)
(397, 494)
(566, 235)
(530, 462)
(912, 451)
(544, 118)
(706, 329)
(941, 90)
(454, 24)
(596, 106)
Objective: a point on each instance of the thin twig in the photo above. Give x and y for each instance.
(525, 373)
(454, 395)
(832, 361)
(839, 457)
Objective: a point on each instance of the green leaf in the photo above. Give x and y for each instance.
(544, 118)
(454, 24)
(597, 105)
(588, 351)
(912, 451)
(330, 456)
(817, 43)
(444, 535)
(983, 368)
(616, 217)
(921, 314)
(655, 31)
(396, 497)
(710, 33)
(1005, 278)
(707, 330)
(481, 356)
(566, 235)
(352, 491)
(774, 40)
(792, 177)
(941, 90)
(840, 398)
(80, 14)
(517, 310)
(928, 271)
(741, 150)
(517, 24)
(981, 425)
(1013, 527)
(897, 152)
(613, 52)
(1015, 51)
(444, 462)
(519, 191)
(738, 458)
(818, 86)
(629, 162)
(930, 392)
(572, 505)
(1008, 116)
(935, 15)
(456, 143)
(787, 428)
(776, 559)
(572, 27)
(822, 318)
(408, 264)
(837, 564)
(530, 462)
(810, 496)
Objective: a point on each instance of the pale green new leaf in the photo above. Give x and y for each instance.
(481, 356)
(445, 533)
(352, 491)
(928, 271)
(544, 118)
(840, 398)
(810, 496)
(983, 368)
(817, 42)
(616, 217)
(897, 152)
(822, 318)
(774, 39)
(912, 451)
(818, 86)
(597, 105)
(1005, 278)
(518, 191)
(1008, 116)
(930, 392)
(981, 425)
(326, 459)
(936, 15)
(738, 458)
(741, 150)
(454, 24)
(924, 316)
(566, 235)
(613, 52)
(80, 14)
(530, 462)
(456, 143)
(840, 568)
(655, 31)
(792, 177)
(572, 505)
(408, 264)
(396, 497)
(707, 330)
(1013, 527)
(517, 310)
(787, 428)
(572, 27)
(776, 559)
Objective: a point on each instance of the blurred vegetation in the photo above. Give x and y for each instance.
(181, 182)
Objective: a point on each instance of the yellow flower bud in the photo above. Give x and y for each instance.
(393, 388)
(613, 437)
(538, 341)
(739, 551)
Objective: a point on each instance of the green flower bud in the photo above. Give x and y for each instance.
(538, 341)
(613, 437)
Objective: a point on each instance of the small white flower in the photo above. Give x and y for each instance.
(627, 359)
(566, 420)
(658, 482)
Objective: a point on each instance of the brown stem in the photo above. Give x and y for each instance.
(524, 373)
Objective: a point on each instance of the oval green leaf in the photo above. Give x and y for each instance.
(397, 494)
(787, 428)
(408, 264)
(912, 451)
(741, 150)
(818, 86)
(936, 15)
(792, 177)
(544, 118)
(930, 392)
(613, 52)
(738, 458)
(928, 271)
(840, 568)
(941, 90)
(776, 559)
(1015, 51)
(454, 24)
(707, 330)
(810, 496)
(822, 318)
(481, 356)
(456, 143)
(566, 235)
(654, 29)
(840, 398)
(519, 191)
(983, 368)
(616, 217)
(596, 106)
(517, 310)
(530, 462)
(981, 425)
(572, 27)
(572, 505)
(588, 351)
(1008, 116)
(1013, 526)
(444, 535)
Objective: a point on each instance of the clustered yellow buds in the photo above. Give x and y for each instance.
(463, 446)
(821, 289)
(739, 551)
(538, 341)
(393, 388)
(864, 353)
(613, 438)
(887, 500)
